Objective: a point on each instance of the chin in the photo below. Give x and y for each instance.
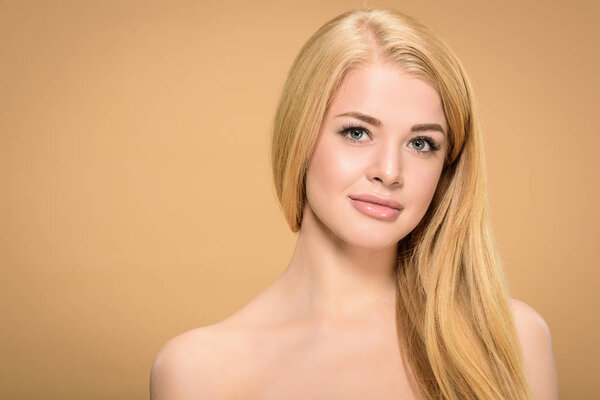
(371, 238)
(356, 231)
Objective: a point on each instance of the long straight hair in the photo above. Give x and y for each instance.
(455, 326)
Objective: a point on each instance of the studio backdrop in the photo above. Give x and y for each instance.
(136, 199)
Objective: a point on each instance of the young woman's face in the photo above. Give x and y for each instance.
(384, 137)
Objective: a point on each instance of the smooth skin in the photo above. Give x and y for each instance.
(325, 329)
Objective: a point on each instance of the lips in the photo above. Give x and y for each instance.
(376, 207)
(370, 198)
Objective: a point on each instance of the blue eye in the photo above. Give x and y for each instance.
(420, 144)
(424, 144)
(354, 133)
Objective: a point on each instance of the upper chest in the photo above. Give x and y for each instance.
(344, 362)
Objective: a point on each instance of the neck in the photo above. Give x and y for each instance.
(329, 279)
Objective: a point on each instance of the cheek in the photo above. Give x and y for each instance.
(331, 168)
(422, 183)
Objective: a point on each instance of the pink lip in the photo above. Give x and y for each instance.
(377, 200)
(375, 206)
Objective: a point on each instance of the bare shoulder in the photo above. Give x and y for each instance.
(217, 361)
(529, 323)
(536, 344)
(192, 365)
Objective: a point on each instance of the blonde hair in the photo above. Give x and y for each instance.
(455, 324)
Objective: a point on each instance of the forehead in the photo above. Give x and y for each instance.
(389, 94)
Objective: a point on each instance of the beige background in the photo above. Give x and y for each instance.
(136, 199)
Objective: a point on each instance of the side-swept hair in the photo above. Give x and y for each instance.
(455, 325)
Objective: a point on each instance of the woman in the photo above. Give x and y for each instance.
(394, 289)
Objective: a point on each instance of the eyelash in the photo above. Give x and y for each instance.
(347, 128)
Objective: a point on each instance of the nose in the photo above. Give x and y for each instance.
(386, 166)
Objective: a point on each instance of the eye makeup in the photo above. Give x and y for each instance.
(350, 129)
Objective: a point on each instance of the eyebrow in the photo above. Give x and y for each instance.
(375, 122)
